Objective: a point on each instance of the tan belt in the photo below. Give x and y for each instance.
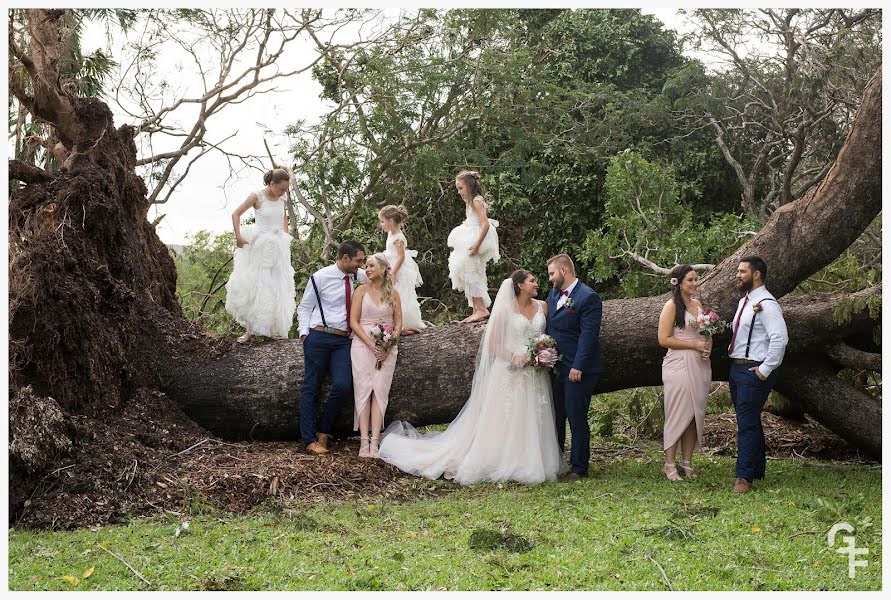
(746, 361)
(331, 330)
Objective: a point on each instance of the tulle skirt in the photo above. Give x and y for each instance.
(505, 432)
(468, 273)
(260, 292)
(407, 279)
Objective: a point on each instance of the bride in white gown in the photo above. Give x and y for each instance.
(506, 430)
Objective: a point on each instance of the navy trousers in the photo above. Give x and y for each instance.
(749, 394)
(324, 353)
(571, 403)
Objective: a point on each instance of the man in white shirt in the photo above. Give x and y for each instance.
(323, 316)
(756, 349)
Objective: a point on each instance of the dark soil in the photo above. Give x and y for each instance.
(147, 457)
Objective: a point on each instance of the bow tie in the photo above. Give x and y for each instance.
(564, 293)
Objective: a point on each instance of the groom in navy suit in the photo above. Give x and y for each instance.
(574, 315)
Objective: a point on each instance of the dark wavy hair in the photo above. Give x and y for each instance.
(756, 263)
(679, 272)
(349, 248)
(519, 277)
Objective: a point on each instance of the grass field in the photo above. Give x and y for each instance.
(624, 528)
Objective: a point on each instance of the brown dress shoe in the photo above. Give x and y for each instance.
(316, 448)
(570, 477)
(324, 439)
(741, 486)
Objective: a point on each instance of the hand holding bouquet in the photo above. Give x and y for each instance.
(384, 338)
(542, 352)
(709, 323)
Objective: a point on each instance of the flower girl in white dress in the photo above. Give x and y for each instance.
(474, 243)
(260, 291)
(403, 268)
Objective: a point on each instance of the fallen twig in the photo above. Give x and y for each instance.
(128, 565)
(195, 445)
(665, 579)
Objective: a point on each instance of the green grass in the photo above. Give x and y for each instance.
(612, 531)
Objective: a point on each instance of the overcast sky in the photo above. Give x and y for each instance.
(205, 199)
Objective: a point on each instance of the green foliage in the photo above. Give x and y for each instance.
(646, 218)
(546, 98)
(203, 268)
(628, 413)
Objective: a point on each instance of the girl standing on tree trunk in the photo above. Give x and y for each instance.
(403, 268)
(260, 291)
(474, 243)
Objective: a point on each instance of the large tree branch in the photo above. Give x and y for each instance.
(852, 358)
(27, 173)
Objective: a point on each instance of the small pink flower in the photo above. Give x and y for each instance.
(674, 281)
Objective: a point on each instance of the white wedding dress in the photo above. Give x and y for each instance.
(506, 429)
(468, 273)
(407, 279)
(260, 292)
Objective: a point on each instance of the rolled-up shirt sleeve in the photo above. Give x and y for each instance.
(777, 337)
(304, 309)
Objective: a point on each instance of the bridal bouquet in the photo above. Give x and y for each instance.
(709, 324)
(384, 337)
(542, 351)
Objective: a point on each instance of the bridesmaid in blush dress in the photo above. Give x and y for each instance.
(686, 372)
(373, 304)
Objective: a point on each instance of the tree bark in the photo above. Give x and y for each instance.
(253, 393)
(813, 383)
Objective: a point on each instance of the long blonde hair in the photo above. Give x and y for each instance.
(387, 286)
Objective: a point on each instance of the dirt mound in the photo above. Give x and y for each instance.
(783, 437)
(147, 456)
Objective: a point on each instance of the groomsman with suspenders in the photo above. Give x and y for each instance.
(323, 314)
(756, 350)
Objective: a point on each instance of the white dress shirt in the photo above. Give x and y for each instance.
(562, 299)
(333, 299)
(769, 336)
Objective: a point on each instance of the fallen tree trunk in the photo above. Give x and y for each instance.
(812, 382)
(231, 396)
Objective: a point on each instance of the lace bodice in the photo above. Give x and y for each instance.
(526, 328)
(271, 213)
(471, 218)
(390, 248)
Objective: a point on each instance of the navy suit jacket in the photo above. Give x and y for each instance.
(577, 329)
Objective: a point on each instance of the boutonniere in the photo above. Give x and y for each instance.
(569, 303)
(355, 279)
(757, 308)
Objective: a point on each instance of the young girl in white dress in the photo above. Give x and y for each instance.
(474, 243)
(260, 291)
(403, 268)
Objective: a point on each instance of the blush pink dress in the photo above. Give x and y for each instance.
(367, 379)
(687, 378)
